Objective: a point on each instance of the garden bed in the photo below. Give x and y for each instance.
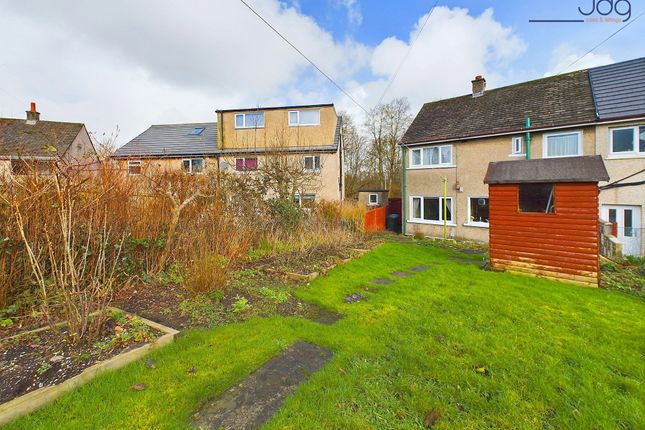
(38, 366)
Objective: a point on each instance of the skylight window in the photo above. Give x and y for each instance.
(197, 131)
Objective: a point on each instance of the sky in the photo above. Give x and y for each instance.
(133, 63)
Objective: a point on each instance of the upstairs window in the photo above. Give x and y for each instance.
(431, 156)
(134, 167)
(246, 164)
(312, 163)
(304, 117)
(249, 120)
(537, 198)
(197, 131)
(627, 141)
(562, 144)
(193, 165)
(518, 146)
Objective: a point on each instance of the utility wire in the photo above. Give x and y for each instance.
(398, 69)
(605, 40)
(304, 56)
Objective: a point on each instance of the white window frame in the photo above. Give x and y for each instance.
(514, 151)
(244, 169)
(243, 115)
(545, 145)
(134, 163)
(636, 134)
(299, 124)
(299, 197)
(313, 163)
(369, 199)
(427, 221)
(190, 163)
(477, 223)
(440, 165)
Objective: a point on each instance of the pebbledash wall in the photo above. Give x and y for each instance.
(466, 180)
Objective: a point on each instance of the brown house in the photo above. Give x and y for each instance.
(544, 217)
(28, 144)
(243, 140)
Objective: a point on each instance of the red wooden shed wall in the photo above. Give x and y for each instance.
(563, 245)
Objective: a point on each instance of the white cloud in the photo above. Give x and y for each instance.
(354, 14)
(564, 55)
(453, 48)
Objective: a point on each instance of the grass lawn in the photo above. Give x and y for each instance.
(484, 350)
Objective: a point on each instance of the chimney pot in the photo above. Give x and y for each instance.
(33, 115)
(479, 86)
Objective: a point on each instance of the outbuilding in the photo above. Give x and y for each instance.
(544, 218)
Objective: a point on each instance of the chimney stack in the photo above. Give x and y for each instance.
(32, 115)
(479, 86)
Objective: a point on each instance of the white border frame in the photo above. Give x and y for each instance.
(470, 223)
(411, 218)
(304, 164)
(135, 163)
(635, 153)
(244, 114)
(412, 166)
(190, 160)
(298, 124)
(369, 199)
(257, 164)
(545, 137)
(522, 152)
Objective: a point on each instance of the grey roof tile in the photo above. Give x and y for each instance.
(19, 138)
(619, 89)
(168, 140)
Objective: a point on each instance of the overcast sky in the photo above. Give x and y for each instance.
(134, 63)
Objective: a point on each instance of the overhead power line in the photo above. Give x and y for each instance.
(605, 40)
(396, 72)
(304, 56)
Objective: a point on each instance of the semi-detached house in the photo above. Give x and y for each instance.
(598, 111)
(243, 140)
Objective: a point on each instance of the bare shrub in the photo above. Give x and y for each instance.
(207, 273)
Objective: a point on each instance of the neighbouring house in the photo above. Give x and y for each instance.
(28, 145)
(373, 197)
(246, 140)
(543, 217)
(598, 111)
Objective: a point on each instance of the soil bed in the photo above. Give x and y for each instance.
(41, 359)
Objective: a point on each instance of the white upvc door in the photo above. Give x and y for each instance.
(628, 221)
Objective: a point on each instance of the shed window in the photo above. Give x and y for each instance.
(537, 198)
(373, 199)
(134, 167)
(193, 165)
(246, 164)
(562, 145)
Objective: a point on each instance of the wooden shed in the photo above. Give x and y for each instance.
(544, 217)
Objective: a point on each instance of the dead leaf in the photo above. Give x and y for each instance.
(118, 329)
(431, 418)
(138, 387)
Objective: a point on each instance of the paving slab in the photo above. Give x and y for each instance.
(419, 269)
(401, 274)
(321, 315)
(382, 281)
(354, 298)
(473, 251)
(466, 261)
(251, 403)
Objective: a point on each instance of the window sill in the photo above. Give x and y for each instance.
(425, 221)
(443, 166)
(517, 155)
(247, 128)
(562, 156)
(304, 125)
(477, 224)
(625, 156)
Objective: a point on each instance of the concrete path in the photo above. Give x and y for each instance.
(252, 402)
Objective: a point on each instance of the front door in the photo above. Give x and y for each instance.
(627, 220)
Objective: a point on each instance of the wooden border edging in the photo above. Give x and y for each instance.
(35, 400)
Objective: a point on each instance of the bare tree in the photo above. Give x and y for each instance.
(386, 125)
(105, 144)
(355, 155)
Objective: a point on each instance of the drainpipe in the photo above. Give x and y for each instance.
(445, 208)
(404, 200)
(528, 138)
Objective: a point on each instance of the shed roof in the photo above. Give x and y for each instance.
(550, 102)
(568, 169)
(168, 140)
(619, 89)
(37, 139)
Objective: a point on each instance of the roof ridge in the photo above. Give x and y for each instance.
(42, 120)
